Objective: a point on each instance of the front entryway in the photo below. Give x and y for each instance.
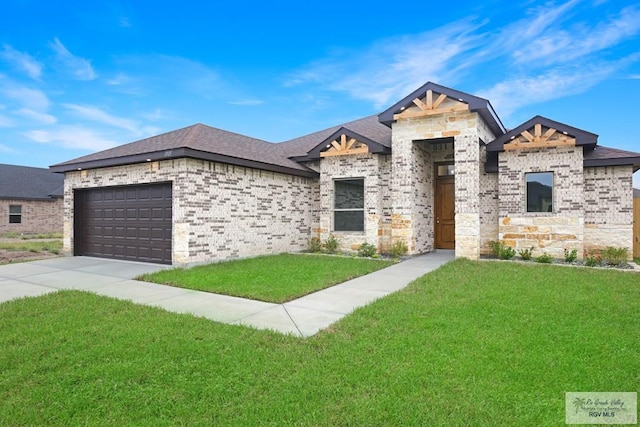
(445, 224)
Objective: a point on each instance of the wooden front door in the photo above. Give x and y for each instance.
(445, 213)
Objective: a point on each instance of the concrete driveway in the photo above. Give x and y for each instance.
(302, 317)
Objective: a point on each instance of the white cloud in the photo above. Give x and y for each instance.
(393, 67)
(5, 122)
(147, 74)
(96, 114)
(78, 67)
(6, 149)
(34, 99)
(22, 61)
(247, 102)
(124, 22)
(157, 115)
(119, 80)
(565, 45)
(553, 51)
(74, 137)
(37, 116)
(544, 17)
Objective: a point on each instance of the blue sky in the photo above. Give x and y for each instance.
(78, 76)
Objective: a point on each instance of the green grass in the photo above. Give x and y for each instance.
(275, 278)
(30, 236)
(54, 246)
(470, 344)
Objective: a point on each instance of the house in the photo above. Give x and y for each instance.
(30, 200)
(437, 169)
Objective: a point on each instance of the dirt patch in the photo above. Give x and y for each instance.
(36, 251)
(8, 257)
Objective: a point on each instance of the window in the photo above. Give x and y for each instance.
(15, 214)
(539, 192)
(446, 170)
(348, 205)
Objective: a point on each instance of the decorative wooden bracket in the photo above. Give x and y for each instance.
(430, 107)
(550, 138)
(344, 147)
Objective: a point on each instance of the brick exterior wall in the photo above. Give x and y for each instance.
(219, 211)
(38, 216)
(375, 169)
(608, 208)
(222, 211)
(546, 232)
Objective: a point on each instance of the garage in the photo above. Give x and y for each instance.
(129, 222)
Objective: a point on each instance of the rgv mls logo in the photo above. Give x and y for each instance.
(601, 408)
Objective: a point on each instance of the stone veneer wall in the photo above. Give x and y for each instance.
(546, 232)
(375, 169)
(220, 211)
(38, 216)
(608, 209)
(467, 129)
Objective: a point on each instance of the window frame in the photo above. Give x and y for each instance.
(526, 196)
(337, 210)
(13, 215)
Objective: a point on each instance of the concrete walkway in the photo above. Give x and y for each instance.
(302, 317)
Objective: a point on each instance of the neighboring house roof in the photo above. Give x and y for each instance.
(636, 193)
(24, 182)
(476, 104)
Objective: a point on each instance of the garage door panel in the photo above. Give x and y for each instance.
(131, 222)
(118, 232)
(144, 233)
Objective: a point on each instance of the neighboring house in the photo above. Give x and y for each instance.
(435, 170)
(30, 200)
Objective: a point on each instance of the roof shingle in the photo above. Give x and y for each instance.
(24, 182)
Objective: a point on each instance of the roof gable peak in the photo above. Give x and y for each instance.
(344, 141)
(427, 91)
(539, 132)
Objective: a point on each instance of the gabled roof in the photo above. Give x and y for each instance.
(25, 182)
(368, 127)
(582, 137)
(606, 156)
(476, 104)
(594, 155)
(374, 146)
(196, 141)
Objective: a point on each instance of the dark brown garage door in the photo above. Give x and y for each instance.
(131, 223)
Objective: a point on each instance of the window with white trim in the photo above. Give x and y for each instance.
(348, 208)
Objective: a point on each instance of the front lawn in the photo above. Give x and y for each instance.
(275, 278)
(470, 344)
